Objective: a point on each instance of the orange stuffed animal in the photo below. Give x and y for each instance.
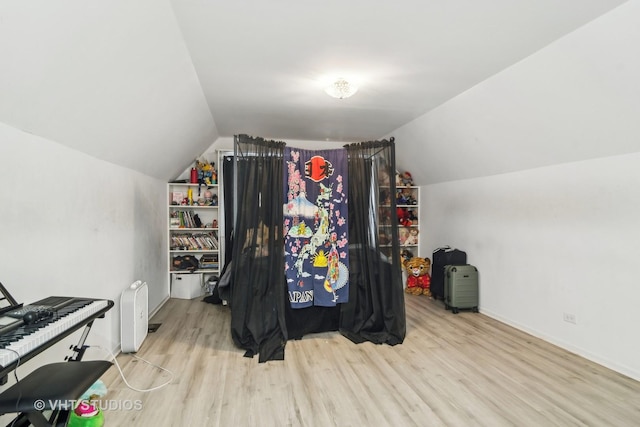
(418, 279)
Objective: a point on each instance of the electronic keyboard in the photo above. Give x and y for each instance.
(55, 318)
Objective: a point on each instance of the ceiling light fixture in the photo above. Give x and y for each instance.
(341, 89)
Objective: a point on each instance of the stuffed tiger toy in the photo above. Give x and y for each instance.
(418, 280)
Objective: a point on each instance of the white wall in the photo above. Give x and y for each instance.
(113, 79)
(543, 170)
(548, 241)
(73, 225)
(576, 99)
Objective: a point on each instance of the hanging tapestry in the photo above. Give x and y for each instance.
(315, 227)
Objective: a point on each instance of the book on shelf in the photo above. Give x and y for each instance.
(177, 197)
(209, 266)
(209, 261)
(186, 219)
(194, 242)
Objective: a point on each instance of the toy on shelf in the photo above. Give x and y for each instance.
(206, 172)
(418, 278)
(407, 179)
(401, 198)
(383, 177)
(405, 197)
(383, 238)
(412, 238)
(403, 233)
(385, 197)
(412, 217)
(411, 200)
(403, 217)
(405, 256)
(210, 199)
(398, 179)
(385, 217)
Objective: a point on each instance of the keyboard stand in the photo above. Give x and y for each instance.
(54, 387)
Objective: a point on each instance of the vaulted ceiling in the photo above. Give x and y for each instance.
(151, 84)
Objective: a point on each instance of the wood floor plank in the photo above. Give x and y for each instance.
(451, 370)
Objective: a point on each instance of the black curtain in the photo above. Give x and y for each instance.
(257, 269)
(375, 311)
(229, 200)
(261, 317)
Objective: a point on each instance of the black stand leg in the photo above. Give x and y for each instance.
(80, 348)
(20, 421)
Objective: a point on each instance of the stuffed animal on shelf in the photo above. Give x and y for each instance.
(383, 239)
(403, 217)
(407, 179)
(398, 179)
(407, 197)
(418, 278)
(401, 198)
(412, 238)
(257, 240)
(385, 197)
(405, 256)
(403, 233)
(385, 217)
(383, 177)
(206, 172)
(412, 217)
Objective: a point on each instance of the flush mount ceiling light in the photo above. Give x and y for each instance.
(341, 89)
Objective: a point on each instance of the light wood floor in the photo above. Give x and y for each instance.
(452, 370)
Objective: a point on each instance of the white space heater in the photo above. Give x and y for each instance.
(134, 316)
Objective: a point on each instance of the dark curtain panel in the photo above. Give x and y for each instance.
(257, 268)
(375, 311)
(221, 292)
(229, 197)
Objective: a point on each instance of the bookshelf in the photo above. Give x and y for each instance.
(407, 209)
(193, 224)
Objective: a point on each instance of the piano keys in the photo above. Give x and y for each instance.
(19, 340)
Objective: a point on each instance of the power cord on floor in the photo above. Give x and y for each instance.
(115, 361)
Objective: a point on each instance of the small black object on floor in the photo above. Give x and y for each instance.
(153, 327)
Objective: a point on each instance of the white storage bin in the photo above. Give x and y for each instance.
(186, 286)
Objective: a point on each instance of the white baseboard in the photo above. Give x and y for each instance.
(155, 310)
(624, 370)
